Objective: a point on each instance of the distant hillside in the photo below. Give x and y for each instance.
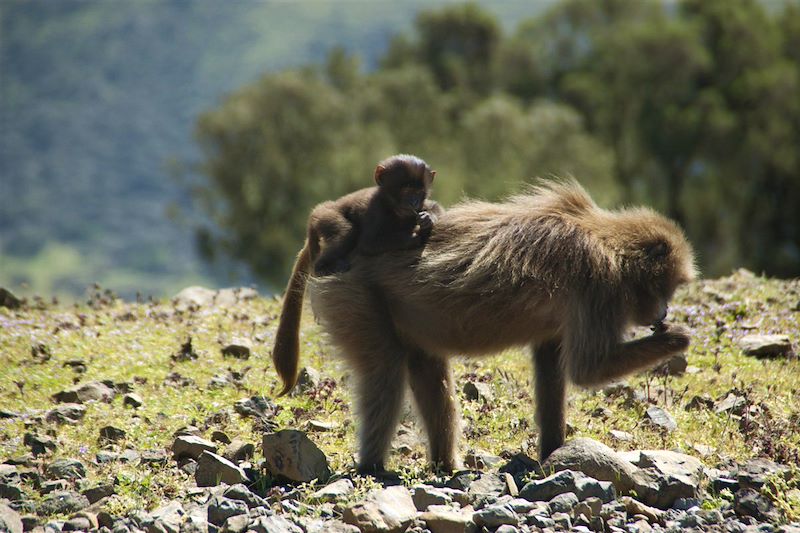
(98, 98)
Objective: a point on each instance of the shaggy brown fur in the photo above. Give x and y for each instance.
(393, 215)
(548, 269)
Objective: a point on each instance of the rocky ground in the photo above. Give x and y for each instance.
(160, 417)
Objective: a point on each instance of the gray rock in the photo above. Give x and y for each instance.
(39, 444)
(568, 481)
(94, 390)
(221, 508)
(755, 472)
(62, 502)
(291, 454)
(595, 460)
(540, 521)
(307, 379)
(69, 413)
(191, 446)
(320, 425)
(620, 436)
(666, 476)
(732, 403)
(335, 491)
(11, 491)
(239, 349)
(750, 502)
(477, 391)
(589, 507)
(495, 516)
(236, 524)
(98, 492)
(661, 419)
(676, 365)
(132, 400)
(213, 470)
(506, 529)
(66, 469)
(563, 503)
(486, 484)
(767, 345)
(78, 523)
(8, 299)
(256, 407)
(479, 460)
(700, 403)
(274, 524)
(634, 507)
(242, 493)
(9, 519)
(51, 486)
(239, 450)
(194, 296)
(111, 434)
(166, 519)
(388, 510)
(424, 496)
(562, 520)
(445, 519)
(220, 436)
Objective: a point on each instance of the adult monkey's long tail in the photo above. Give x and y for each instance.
(286, 353)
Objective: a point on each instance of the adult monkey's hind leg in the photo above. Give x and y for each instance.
(432, 384)
(550, 397)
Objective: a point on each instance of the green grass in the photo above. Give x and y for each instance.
(129, 342)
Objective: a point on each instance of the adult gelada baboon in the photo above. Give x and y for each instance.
(548, 269)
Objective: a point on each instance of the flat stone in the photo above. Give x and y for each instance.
(568, 481)
(167, 518)
(191, 446)
(594, 459)
(8, 299)
(755, 472)
(78, 523)
(320, 425)
(424, 496)
(563, 503)
(239, 349)
(132, 400)
(661, 419)
(62, 502)
(477, 391)
(68, 413)
(620, 436)
(700, 403)
(767, 346)
(335, 491)
(221, 508)
(9, 519)
(256, 407)
(486, 484)
(732, 403)
(236, 524)
(111, 434)
(274, 524)
(750, 502)
(634, 507)
(213, 470)
(94, 390)
(480, 460)
(66, 469)
(242, 493)
(665, 476)
(389, 510)
(98, 492)
(291, 454)
(445, 519)
(307, 379)
(239, 450)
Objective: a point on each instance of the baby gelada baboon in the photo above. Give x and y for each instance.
(395, 214)
(548, 269)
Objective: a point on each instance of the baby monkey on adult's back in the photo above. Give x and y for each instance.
(395, 214)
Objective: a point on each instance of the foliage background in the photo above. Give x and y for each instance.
(140, 138)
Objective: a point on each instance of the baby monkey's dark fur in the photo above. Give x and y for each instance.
(395, 214)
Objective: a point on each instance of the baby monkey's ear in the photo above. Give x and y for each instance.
(433, 174)
(379, 170)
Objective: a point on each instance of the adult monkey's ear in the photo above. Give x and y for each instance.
(379, 170)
